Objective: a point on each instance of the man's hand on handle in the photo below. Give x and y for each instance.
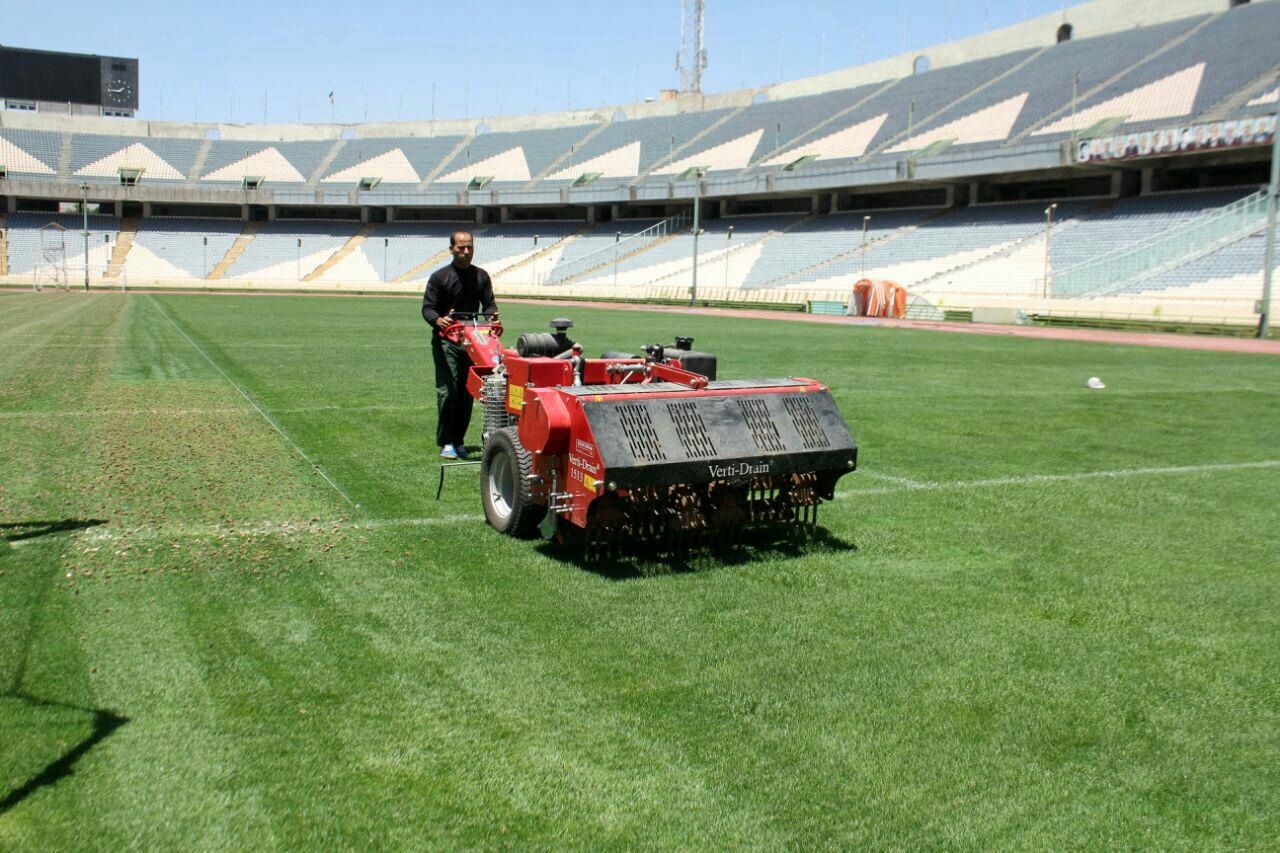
(449, 326)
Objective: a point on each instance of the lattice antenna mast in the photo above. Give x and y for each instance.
(692, 57)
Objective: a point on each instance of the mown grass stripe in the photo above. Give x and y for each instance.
(252, 402)
(199, 411)
(291, 527)
(271, 528)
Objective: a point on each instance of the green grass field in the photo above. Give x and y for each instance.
(233, 615)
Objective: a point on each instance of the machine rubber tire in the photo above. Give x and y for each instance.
(504, 485)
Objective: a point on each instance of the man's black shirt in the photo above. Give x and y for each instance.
(468, 291)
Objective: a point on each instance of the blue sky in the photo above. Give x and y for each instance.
(250, 62)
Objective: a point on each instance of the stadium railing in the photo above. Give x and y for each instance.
(1117, 269)
(620, 249)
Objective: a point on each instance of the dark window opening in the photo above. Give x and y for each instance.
(1064, 33)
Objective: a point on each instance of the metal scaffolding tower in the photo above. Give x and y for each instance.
(692, 57)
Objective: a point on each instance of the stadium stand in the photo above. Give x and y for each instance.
(955, 165)
(230, 161)
(97, 157)
(1224, 53)
(288, 250)
(785, 120)
(948, 241)
(396, 249)
(901, 108)
(599, 238)
(817, 242)
(1132, 220)
(1044, 85)
(391, 252)
(394, 161)
(500, 247)
(1235, 267)
(176, 249)
(29, 153)
(674, 255)
(658, 138)
(983, 251)
(511, 157)
(26, 251)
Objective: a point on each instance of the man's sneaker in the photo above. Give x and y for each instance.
(449, 452)
(462, 452)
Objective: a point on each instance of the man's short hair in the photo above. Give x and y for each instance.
(453, 238)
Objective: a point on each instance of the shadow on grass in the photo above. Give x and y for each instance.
(105, 722)
(19, 531)
(637, 561)
(104, 725)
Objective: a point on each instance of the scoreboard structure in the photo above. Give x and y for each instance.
(51, 81)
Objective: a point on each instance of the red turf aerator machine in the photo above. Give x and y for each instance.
(649, 449)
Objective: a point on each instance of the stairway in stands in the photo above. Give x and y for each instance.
(247, 234)
(124, 242)
(365, 232)
(425, 267)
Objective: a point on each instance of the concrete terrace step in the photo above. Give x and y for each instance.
(242, 242)
(366, 231)
(426, 266)
(197, 165)
(313, 180)
(124, 242)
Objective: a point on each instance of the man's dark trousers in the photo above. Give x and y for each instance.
(453, 403)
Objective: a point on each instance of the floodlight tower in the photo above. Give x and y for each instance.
(692, 57)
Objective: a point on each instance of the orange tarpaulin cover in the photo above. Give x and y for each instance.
(879, 299)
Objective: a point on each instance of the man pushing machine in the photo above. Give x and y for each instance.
(466, 289)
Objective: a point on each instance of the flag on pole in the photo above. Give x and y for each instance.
(331, 97)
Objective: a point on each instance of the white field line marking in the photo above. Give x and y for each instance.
(254, 403)
(316, 526)
(1030, 479)
(901, 481)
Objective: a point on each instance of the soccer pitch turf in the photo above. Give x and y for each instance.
(233, 615)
